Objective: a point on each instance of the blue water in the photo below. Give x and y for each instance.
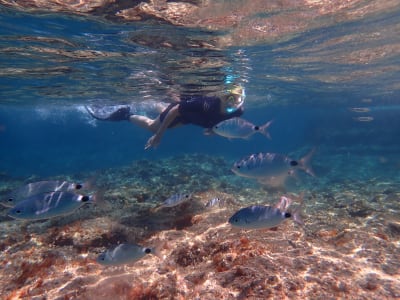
(52, 65)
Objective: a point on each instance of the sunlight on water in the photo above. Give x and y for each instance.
(120, 62)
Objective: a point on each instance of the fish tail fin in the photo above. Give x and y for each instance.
(296, 215)
(98, 199)
(305, 162)
(264, 129)
(297, 218)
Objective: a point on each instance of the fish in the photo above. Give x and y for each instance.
(40, 187)
(266, 165)
(215, 201)
(262, 217)
(123, 254)
(176, 199)
(363, 119)
(49, 205)
(360, 109)
(240, 128)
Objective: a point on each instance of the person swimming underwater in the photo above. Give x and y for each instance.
(204, 111)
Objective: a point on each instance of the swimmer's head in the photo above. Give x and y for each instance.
(233, 98)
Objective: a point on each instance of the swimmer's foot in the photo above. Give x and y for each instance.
(109, 113)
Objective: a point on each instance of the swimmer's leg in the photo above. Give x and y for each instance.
(145, 122)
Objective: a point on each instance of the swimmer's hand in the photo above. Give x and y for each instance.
(154, 141)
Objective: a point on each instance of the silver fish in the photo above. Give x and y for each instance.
(258, 216)
(360, 109)
(364, 119)
(240, 128)
(261, 216)
(40, 187)
(123, 254)
(48, 205)
(215, 201)
(266, 165)
(176, 199)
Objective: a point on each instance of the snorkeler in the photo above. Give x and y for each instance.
(202, 111)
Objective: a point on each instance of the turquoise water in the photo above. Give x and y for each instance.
(333, 88)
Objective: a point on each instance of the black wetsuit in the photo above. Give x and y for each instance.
(198, 110)
(201, 111)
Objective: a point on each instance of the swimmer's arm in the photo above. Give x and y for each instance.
(169, 118)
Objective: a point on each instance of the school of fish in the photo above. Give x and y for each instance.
(55, 198)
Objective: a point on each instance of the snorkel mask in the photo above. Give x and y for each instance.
(234, 98)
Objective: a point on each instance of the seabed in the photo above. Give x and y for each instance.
(349, 247)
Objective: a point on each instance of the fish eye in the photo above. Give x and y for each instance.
(147, 250)
(10, 199)
(85, 198)
(78, 186)
(238, 167)
(186, 196)
(294, 163)
(18, 211)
